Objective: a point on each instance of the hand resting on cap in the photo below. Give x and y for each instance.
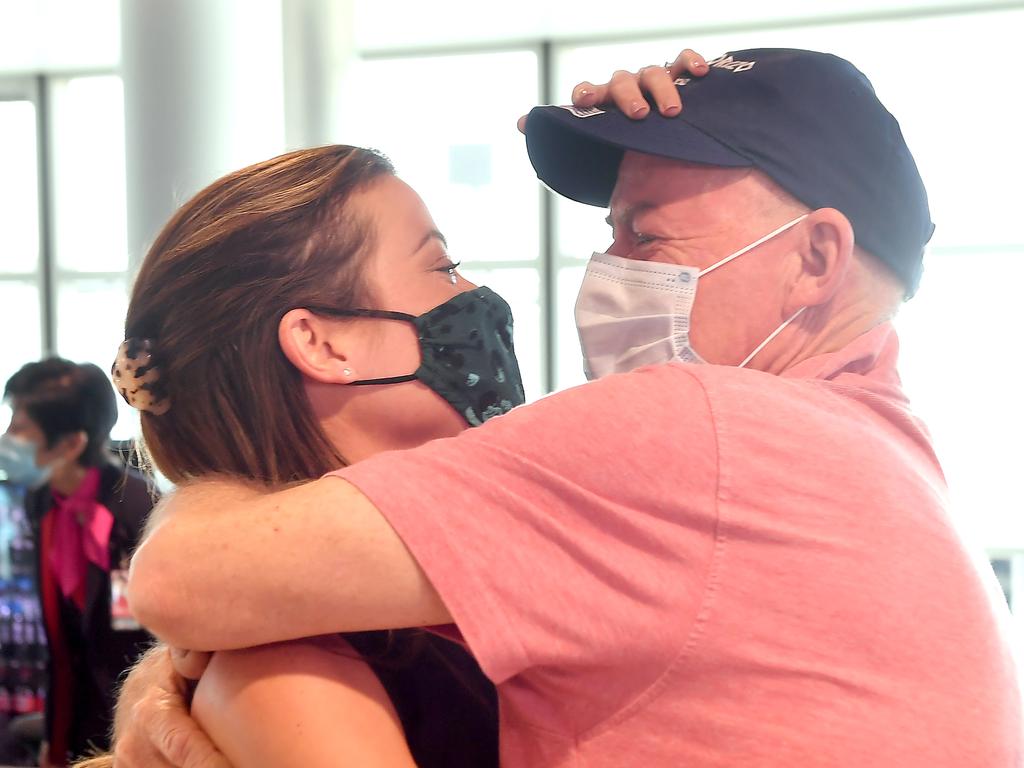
(628, 91)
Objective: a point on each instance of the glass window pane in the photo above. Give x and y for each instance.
(90, 319)
(569, 365)
(581, 230)
(89, 175)
(90, 326)
(21, 322)
(521, 289)
(19, 201)
(462, 153)
(466, 159)
(962, 370)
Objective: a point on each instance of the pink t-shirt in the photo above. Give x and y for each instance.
(696, 565)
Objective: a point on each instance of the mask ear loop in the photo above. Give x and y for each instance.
(754, 245)
(774, 333)
(380, 314)
(389, 380)
(749, 248)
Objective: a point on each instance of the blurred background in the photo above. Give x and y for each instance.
(112, 114)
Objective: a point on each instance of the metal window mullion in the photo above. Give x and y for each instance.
(549, 268)
(47, 235)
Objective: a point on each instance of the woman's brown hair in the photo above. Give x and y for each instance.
(211, 292)
(222, 273)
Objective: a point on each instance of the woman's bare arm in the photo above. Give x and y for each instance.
(305, 704)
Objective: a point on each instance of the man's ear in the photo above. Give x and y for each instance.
(315, 345)
(825, 257)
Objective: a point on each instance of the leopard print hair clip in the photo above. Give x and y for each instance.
(138, 379)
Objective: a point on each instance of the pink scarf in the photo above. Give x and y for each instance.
(81, 534)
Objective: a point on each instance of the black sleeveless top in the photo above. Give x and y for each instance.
(448, 708)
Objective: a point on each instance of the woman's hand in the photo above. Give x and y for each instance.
(628, 91)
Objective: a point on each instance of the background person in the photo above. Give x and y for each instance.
(87, 511)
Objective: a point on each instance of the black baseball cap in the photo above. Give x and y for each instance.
(810, 121)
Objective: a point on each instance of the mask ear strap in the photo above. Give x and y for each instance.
(381, 314)
(389, 380)
(774, 333)
(754, 245)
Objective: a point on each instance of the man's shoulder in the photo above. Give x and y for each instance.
(746, 389)
(681, 393)
(635, 419)
(661, 381)
(653, 393)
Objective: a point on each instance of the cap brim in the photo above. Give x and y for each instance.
(579, 157)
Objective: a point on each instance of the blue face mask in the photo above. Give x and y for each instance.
(18, 462)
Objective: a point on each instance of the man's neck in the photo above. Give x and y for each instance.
(815, 336)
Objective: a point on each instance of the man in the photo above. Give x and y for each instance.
(87, 513)
(727, 549)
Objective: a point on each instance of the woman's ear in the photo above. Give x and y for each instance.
(315, 345)
(824, 259)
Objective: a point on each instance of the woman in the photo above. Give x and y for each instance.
(86, 513)
(309, 300)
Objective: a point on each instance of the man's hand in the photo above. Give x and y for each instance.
(190, 664)
(275, 574)
(628, 91)
(152, 726)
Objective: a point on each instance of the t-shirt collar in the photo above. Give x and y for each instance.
(872, 354)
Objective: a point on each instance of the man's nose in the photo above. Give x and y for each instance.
(619, 247)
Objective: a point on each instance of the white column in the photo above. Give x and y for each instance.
(204, 95)
(319, 50)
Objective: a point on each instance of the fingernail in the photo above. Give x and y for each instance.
(638, 109)
(670, 110)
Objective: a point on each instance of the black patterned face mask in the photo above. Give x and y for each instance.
(466, 353)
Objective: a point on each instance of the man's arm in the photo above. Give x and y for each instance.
(227, 567)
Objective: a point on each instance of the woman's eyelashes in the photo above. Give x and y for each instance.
(450, 268)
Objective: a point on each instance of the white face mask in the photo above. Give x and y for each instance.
(633, 313)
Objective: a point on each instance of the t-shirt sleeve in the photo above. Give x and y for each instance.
(557, 532)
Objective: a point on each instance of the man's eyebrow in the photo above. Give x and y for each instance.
(432, 234)
(629, 214)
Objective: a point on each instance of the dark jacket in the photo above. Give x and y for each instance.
(98, 653)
